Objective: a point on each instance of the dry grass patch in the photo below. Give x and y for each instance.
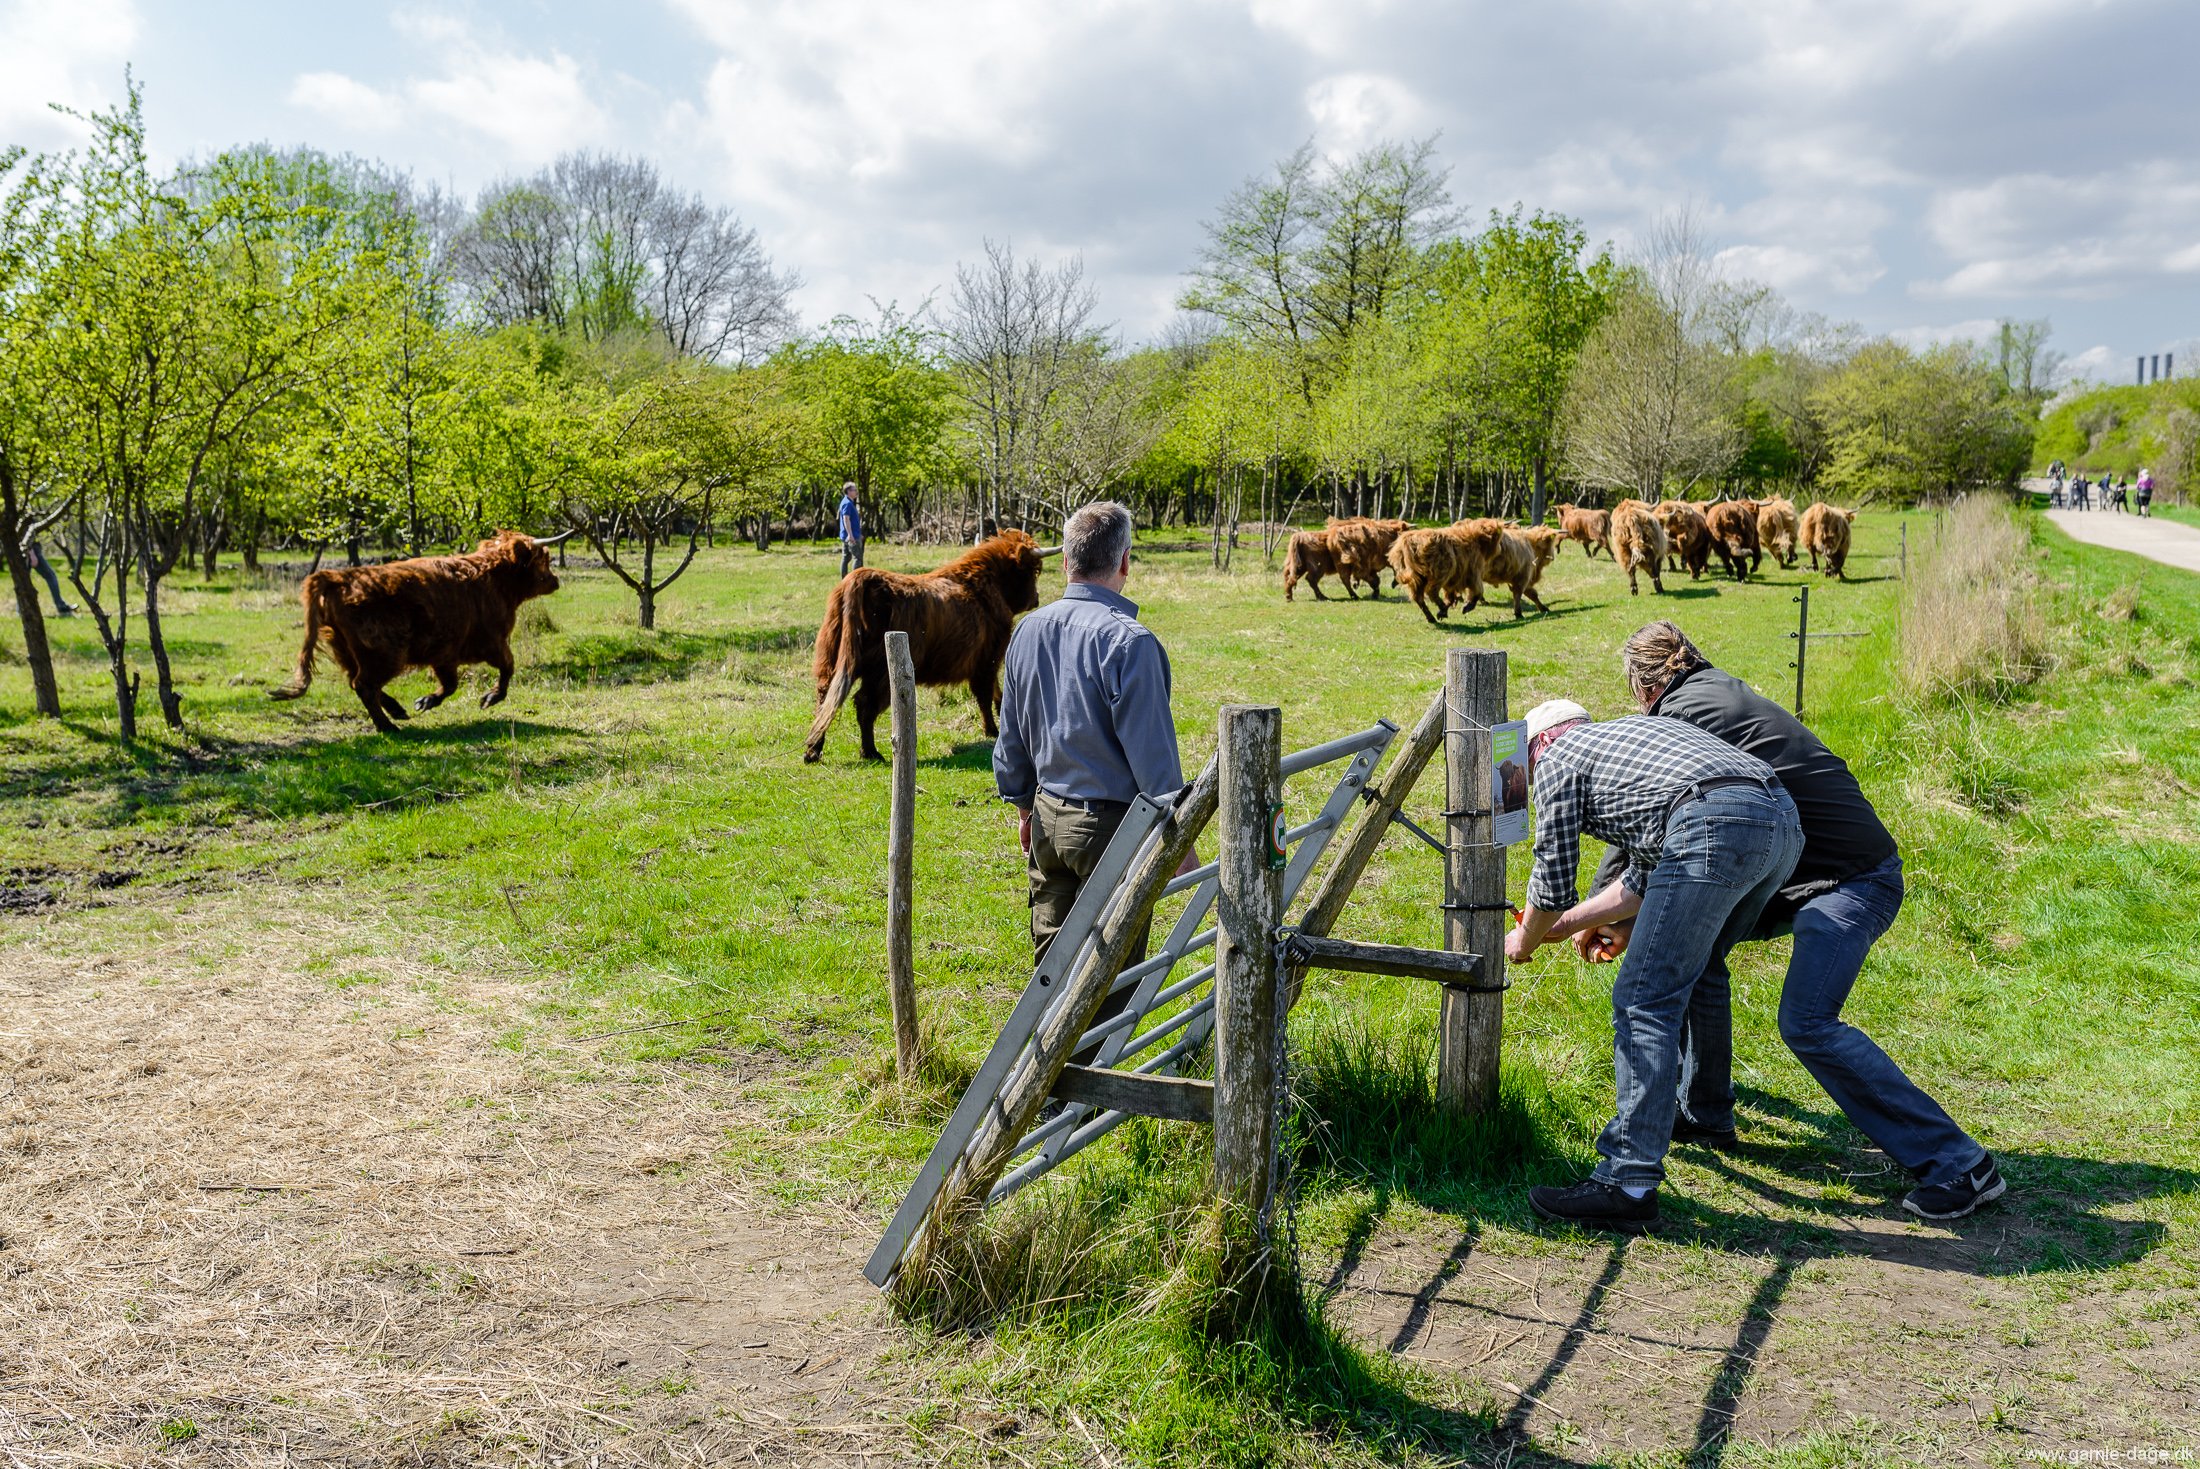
(1971, 618)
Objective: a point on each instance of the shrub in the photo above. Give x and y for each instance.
(1971, 620)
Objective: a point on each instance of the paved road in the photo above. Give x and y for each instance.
(2165, 541)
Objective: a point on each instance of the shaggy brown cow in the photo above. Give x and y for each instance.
(1593, 528)
(1776, 530)
(436, 612)
(1435, 565)
(958, 619)
(1733, 525)
(1826, 530)
(1508, 556)
(1638, 543)
(1687, 536)
(1363, 548)
(1309, 558)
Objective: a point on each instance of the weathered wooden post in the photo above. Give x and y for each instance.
(1472, 1023)
(1248, 990)
(901, 838)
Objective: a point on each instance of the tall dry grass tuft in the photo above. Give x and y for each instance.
(1972, 623)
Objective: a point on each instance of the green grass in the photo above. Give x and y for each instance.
(634, 832)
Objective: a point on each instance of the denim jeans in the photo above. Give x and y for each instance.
(1727, 850)
(851, 554)
(1833, 933)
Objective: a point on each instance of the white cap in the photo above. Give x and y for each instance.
(1552, 713)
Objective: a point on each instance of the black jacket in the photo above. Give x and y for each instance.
(1842, 835)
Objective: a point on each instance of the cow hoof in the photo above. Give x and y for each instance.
(426, 702)
(811, 757)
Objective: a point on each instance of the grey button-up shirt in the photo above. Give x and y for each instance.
(1085, 707)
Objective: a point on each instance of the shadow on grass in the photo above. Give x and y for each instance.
(966, 755)
(214, 779)
(634, 656)
(1367, 1115)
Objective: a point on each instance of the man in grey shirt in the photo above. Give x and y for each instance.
(1085, 721)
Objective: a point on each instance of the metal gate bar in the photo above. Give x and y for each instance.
(1076, 1126)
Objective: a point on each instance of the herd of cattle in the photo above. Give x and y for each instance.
(442, 612)
(1448, 564)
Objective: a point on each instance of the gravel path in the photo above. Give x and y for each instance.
(2166, 541)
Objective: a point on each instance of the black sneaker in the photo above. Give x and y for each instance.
(1958, 1197)
(1595, 1205)
(1721, 1138)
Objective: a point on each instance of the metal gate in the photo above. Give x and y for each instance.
(1125, 1041)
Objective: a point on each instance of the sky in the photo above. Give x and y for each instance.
(1920, 167)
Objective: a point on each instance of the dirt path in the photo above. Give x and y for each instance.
(251, 1217)
(2166, 541)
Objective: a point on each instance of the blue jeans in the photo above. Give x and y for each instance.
(1727, 850)
(1833, 933)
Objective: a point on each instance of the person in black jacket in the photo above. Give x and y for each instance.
(1843, 894)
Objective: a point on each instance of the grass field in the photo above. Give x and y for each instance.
(606, 963)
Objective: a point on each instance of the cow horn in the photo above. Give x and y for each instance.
(1046, 551)
(557, 539)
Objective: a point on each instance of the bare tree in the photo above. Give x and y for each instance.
(1299, 259)
(1013, 331)
(714, 294)
(1104, 423)
(1646, 407)
(601, 244)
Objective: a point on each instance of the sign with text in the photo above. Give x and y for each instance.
(1509, 782)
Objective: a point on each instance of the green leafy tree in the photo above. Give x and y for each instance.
(879, 402)
(1904, 423)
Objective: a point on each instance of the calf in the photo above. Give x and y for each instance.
(1593, 528)
(1638, 543)
(1826, 532)
(1733, 526)
(1309, 558)
(1776, 530)
(1687, 536)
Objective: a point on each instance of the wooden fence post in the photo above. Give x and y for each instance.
(901, 837)
(1248, 989)
(1472, 1023)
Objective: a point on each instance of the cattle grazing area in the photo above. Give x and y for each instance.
(519, 1088)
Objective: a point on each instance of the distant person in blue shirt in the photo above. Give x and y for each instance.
(851, 529)
(1085, 722)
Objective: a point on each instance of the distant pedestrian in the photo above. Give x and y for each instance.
(2146, 491)
(2117, 496)
(2077, 491)
(851, 529)
(44, 568)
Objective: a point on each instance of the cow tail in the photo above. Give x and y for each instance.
(310, 593)
(835, 666)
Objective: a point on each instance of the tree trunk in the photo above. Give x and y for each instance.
(1535, 506)
(648, 588)
(45, 692)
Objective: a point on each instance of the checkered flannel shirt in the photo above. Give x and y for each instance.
(1619, 781)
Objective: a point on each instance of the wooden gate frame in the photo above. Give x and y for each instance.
(1258, 974)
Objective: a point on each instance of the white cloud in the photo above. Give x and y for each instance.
(1845, 270)
(1978, 329)
(70, 54)
(345, 102)
(2068, 235)
(533, 107)
(1352, 111)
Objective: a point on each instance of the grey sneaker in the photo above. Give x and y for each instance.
(1960, 1195)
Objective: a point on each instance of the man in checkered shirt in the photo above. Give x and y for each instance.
(1709, 837)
